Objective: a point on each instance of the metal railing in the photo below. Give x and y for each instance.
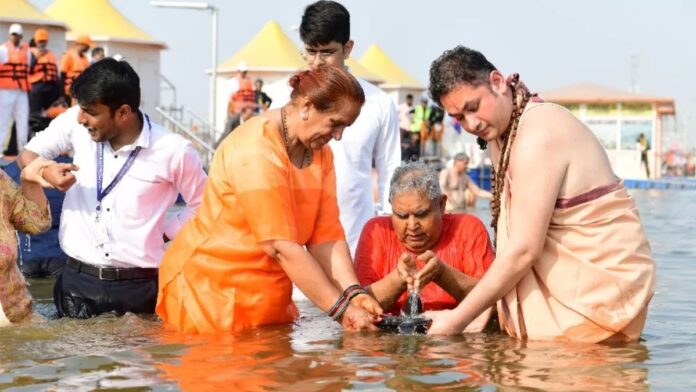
(202, 143)
(210, 131)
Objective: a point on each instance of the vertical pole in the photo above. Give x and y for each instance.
(213, 78)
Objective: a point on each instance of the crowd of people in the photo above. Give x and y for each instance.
(288, 201)
(422, 127)
(35, 83)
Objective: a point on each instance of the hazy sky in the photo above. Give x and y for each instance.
(551, 43)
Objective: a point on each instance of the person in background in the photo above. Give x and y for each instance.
(572, 259)
(435, 132)
(421, 123)
(245, 92)
(420, 247)
(127, 173)
(325, 33)
(270, 219)
(644, 147)
(406, 110)
(14, 86)
(73, 62)
(97, 54)
(236, 120)
(263, 101)
(43, 75)
(460, 190)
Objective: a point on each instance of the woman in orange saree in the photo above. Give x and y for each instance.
(269, 218)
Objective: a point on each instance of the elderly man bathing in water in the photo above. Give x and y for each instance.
(420, 247)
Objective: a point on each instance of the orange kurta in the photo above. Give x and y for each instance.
(595, 277)
(215, 277)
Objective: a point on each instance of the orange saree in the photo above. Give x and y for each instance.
(215, 277)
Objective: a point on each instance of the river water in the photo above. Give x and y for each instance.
(132, 353)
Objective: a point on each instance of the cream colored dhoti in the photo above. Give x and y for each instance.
(595, 277)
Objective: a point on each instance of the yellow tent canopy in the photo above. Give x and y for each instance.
(378, 62)
(272, 50)
(23, 11)
(361, 71)
(269, 50)
(98, 19)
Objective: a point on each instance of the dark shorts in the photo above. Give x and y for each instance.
(81, 295)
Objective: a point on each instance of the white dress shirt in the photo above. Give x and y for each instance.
(374, 135)
(133, 215)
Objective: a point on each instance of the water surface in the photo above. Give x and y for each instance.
(134, 354)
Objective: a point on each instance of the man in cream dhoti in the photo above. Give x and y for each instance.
(572, 259)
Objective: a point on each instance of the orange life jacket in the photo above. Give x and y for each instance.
(14, 73)
(44, 69)
(79, 64)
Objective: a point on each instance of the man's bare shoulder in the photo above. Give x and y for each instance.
(549, 121)
(547, 114)
(545, 134)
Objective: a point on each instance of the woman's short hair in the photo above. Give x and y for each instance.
(326, 87)
(415, 176)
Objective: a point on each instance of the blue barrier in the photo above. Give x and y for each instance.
(481, 176)
(662, 183)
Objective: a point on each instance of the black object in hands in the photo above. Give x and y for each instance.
(410, 321)
(413, 306)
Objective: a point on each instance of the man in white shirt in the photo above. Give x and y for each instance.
(126, 173)
(374, 136)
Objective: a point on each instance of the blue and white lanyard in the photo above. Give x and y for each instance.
(119, 176)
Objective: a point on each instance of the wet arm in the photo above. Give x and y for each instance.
(304, 271)
(540, 166)
(388, 289)
(478, 191)
(334, 259)
(454, 282)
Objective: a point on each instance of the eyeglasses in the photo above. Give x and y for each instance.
(324, 54)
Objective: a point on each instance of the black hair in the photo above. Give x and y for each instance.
(324, 22)
(409, 96)
(110, 82)
(457, 66)
(97, 49)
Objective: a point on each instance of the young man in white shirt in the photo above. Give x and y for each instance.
(374, 136)
(126, 173)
